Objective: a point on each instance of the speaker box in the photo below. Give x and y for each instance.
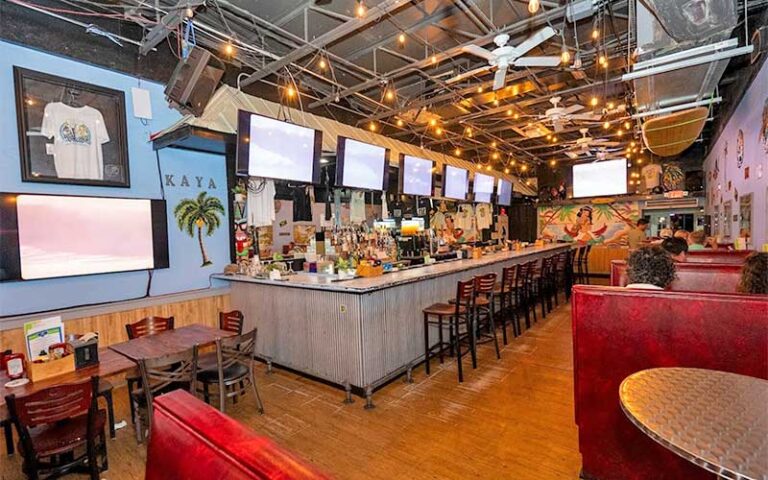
(193, 82)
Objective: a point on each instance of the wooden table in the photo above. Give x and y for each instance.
(717, 420)
(110, 364)
(169, 342)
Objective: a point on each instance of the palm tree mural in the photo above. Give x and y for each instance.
(201, 212)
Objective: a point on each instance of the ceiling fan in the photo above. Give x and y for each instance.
(505, 56)
(558, 116)
(586, 145)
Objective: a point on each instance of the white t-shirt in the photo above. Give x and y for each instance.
(464, 217)
(261, 203)
(78, 134)
(651, 175)
(357, 207)
(483, 216)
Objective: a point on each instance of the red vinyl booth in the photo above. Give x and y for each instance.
(617, 332)
(691, 277)
(717, 256)
(194, 441)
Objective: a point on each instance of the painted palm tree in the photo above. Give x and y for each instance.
(194, 214)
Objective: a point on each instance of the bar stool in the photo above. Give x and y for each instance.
(531, 291)
(505, 293)
(586, 263)
(456, 313)
(483, 311)
(560, 274)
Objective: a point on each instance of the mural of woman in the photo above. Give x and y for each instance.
(740, 148)
(581, 231)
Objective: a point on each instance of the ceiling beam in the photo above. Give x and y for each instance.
(372, 15)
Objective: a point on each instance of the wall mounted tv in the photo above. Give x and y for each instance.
(49, 236)
(455, 183)
(361, 165)
(504, 192)
(600, 178)
(272, 148)
(416, 176)
(483, 188)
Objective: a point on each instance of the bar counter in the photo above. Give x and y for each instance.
(357, 333)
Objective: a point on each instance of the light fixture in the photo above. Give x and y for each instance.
(190, 12)
(554, 139)
(479, 167)
(433, 59)
(488, 168)
(606, 125)
(552, 163)
(400, 122)
(401, 39)
(620, 132)
(533, 6)
(390, 94)
(524, 167)
(322, 64)
(457, 152)
(496, 102)
(632, 143)
(516, 116)
(565, 55)
(438, 131)
(432, 122)
(639, 161)
(549, 136)
(610, 105)
(372, 126)
(595, 30)
(602, 60)
(627, 125)
(528, 182)
(509, 113)
(506, 170)
(495, 156)
(480, 89)
(229, 49)
(290, 91)
(360, 8)
(512, 163)
(593, 101)
(493, 144)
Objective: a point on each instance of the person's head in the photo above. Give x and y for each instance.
(682, 234)
(651, 265)
(665, 233)
(754, 274)
(676, 247)
(642, 224)
(698, 237)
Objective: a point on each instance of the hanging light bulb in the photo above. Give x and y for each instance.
(620, 132)
(189, 13)
(533, 6)
(433, 59)
(438, 131)
(554, 139)
(488, 168)
(602, 60)
(229, 49)
(457, 152)
(509, 113)
(552, 163)
(401, 39)
(524, 167)
(577, 64)
(493, 144)
(595, 30)
(480, 89)
(516, 116)
(506, 170)
(432, 122)
(610, 105)
(479, 167)
(594, 101)
(565, 55)
(290, 91)
(606, 125)
(627, 125)
(400, 122)
(390, 94)
(322, 64)
(360, 8)
(372, 126)
(632, 143)
(495, 156)
(549, 136)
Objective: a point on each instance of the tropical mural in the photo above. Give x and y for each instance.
(194, 214)
(600, 223)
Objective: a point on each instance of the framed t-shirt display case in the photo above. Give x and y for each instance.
(69, 131)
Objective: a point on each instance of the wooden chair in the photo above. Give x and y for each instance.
(505, 293)
(456, 314)
(162, 375)
(54, 424)
(231, 321)
(142, 328)
(483, 312)
(233, 373)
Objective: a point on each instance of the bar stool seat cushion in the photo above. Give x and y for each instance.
(444, 309)
(62, 436)
(233, 371)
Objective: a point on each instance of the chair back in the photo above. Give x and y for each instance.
(148, 326)
(169, 372)
(231, 321)
(236, 350)
(485, 284)
(465, 294)
(522, 275)
(508, 278)
(561, 261)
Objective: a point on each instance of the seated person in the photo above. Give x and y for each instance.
(754, 274)
(664, 234)
(650, 268)
(696, 241)
(682, 234)
(676, 247)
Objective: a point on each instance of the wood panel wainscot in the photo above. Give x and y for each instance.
(600, 257)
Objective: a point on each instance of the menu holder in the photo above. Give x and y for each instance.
(52, 368)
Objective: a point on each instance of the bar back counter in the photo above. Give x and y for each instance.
(357, 333)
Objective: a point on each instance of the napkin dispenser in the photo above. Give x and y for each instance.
(86, 349)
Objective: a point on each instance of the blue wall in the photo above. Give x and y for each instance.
(185, 272)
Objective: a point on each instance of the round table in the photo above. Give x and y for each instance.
(717, 420)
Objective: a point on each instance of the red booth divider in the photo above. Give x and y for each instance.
(194, 441)
(617, 332)
(717, 256)
(691, 277)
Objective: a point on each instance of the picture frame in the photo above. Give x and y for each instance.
(70, 132)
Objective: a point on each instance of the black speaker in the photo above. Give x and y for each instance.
(193, 82)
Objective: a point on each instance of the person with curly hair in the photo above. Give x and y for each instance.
(754, 274)
(650, 268)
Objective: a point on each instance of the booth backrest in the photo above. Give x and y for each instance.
(691, 277)
(194, 441)
(617, 332)
(717, 256)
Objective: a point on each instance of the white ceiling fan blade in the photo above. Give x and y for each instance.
(500, 78)
(470, 73)
(573, 109)
(537, 62)
(478, 51)
(572, 155)
(586, 117)
(535, 40)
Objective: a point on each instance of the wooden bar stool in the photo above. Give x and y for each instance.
(485, 326)
(505, 293)
(457, 313)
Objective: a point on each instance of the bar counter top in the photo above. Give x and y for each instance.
(363, 285)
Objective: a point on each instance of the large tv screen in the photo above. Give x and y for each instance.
(271, 148)
(416, 176)
(361, 165)
(455, 183)
(600, 178)
(483, 188)
(48, 236)
(504, 192)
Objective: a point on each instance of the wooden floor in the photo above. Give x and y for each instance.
(511, 419)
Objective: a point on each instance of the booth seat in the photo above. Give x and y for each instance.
(717, 256)
(194, 441)
(617, 332)
(691, 277)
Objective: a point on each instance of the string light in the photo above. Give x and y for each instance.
(632, 143)
(509, 113)
(432, 122)
(549, 136)
(595, 30)
(438, 131)
(627, 125)
(620, 132)
(565, 55)
(506, 170)
(372, 126)
(479, 167)
(493, 144)
(400, 122)
(516, 116)
(496, 102)
(480, 89)
(495, 156)
(554, 139)
(524, 167)
(552, 163)
(488, 168)
(594, 101)
(434, 59)
(533, 6)
(290, 91)
(610, 105)
(190, 12)
(360, 8)
(602, 60)
(229, 49)
(606, 125)
(390, 95)
(401, 39)
(457, 152)
(512, 163)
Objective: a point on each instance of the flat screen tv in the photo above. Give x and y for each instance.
(416, 176)
(49, 236)
(275, 149)
(600, 178)
(504, 192)
(455, 183)
(361, 165)
(483, 188)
